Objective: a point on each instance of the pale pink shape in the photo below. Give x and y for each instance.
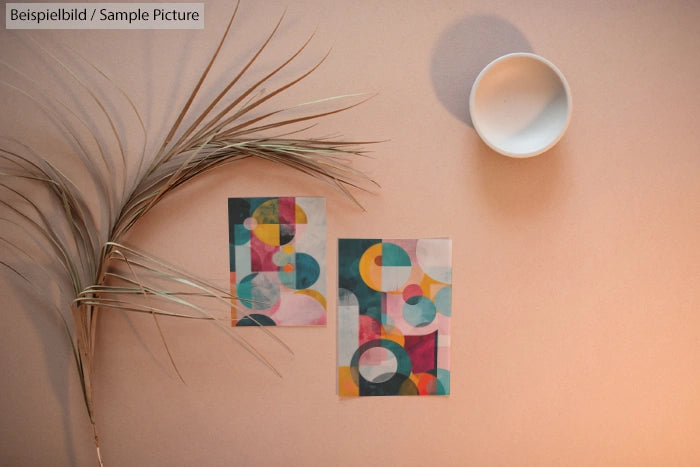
(300, 310)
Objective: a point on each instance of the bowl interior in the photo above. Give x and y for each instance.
(520, 105)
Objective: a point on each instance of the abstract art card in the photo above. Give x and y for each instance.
(277, 257)
(394, 307)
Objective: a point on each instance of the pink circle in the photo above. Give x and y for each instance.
(250, 223)
(412, 290)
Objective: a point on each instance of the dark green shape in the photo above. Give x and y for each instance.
(238, 211)
(396, 385)
(350, 251)
(256, 319)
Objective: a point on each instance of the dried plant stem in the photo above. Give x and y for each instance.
(90, 253)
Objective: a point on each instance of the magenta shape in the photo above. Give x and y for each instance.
(422, 352)
(287, 210)
(412, 290)
(370, 329)
(261, 255)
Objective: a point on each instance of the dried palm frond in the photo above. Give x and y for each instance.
(87, 242)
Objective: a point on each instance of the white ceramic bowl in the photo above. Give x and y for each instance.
(520, 105)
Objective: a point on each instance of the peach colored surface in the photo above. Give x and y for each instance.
(576, 323)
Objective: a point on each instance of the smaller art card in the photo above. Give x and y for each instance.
(394, 309)
(277, 257)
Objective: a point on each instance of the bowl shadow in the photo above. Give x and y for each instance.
(463, 50)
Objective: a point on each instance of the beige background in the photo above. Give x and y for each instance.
(576, 325)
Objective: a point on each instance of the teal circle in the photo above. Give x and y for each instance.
(394, 255)
(241, 235)
(419, 311)
(305, 273)
(443, 382)
(257, 292)
(443, 300)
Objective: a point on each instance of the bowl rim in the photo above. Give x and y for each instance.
(560, 76)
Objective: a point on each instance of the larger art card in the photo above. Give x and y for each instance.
(277, 257)
(394, 308)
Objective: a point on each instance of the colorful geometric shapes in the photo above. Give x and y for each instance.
(419, 311)
(385, 267)
(348, 319)
(393, 312)
(369, 329)
(434, 258)
(300, 307)
(277, 249)
(443, 300)
(422, 351)
(412, 290)
(390, 372)
(261, 255)
(257, 292)
(347, 387)
(394, 307)
(427, 384)
(267, 233)
(299, 271)
(273, 221)
(377, 364)
(443, 382)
